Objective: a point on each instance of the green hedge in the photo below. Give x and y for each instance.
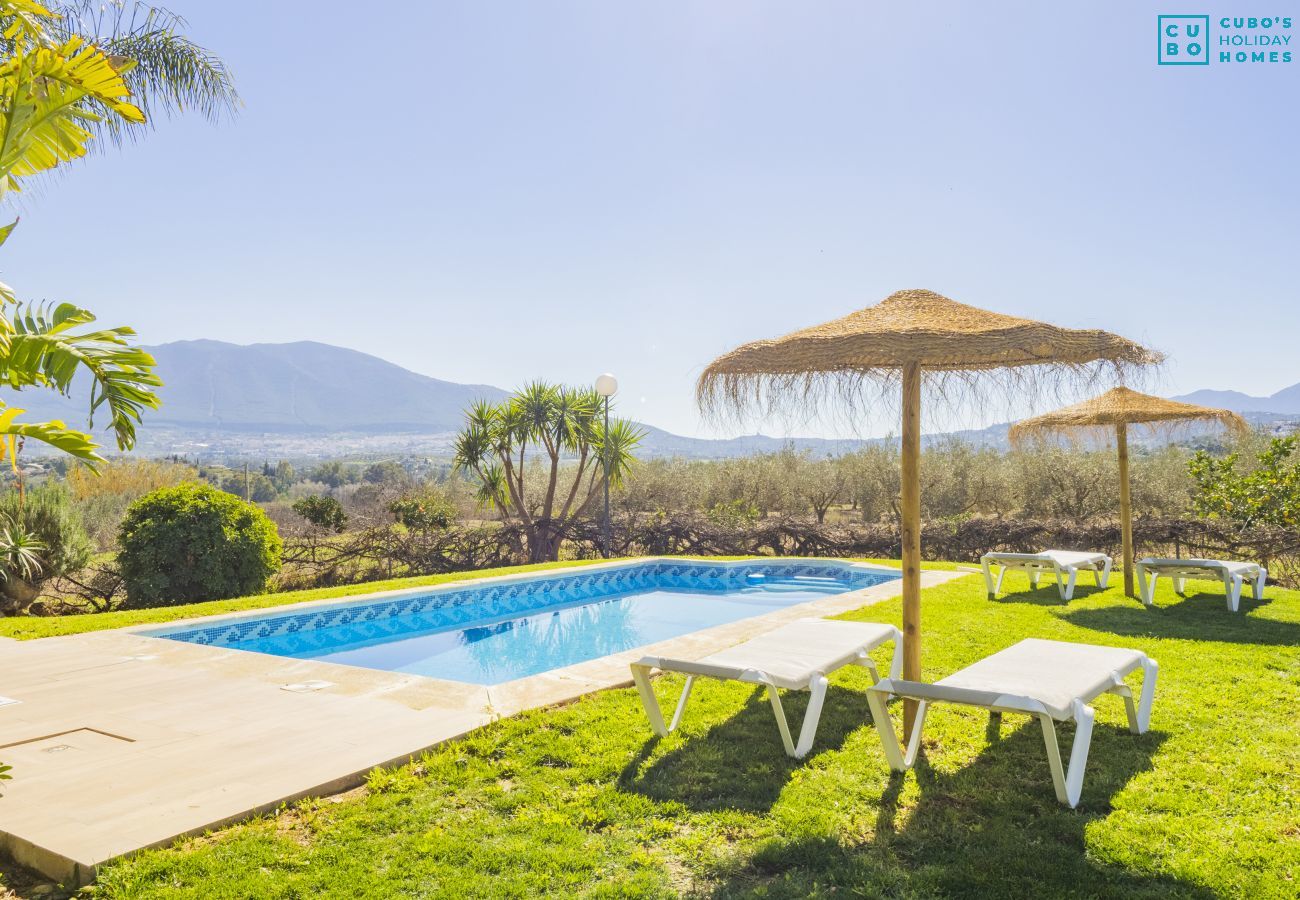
(192, 542)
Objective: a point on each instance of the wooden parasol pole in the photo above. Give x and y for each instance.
(911, 534)
(1125, 507)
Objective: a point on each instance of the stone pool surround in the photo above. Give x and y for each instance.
(122, 741)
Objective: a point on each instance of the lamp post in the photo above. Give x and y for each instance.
(606, 386)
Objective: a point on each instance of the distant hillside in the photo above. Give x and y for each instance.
(304, 399)
(303, 386)
(1284, 402)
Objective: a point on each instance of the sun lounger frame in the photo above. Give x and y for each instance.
(1233, 575)
(814, 681)
(1067, 779)
(1036, 564)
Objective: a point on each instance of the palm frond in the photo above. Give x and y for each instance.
(55, 433)
(167, 72)
(44, 351)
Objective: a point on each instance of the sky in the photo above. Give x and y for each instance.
(493, 192)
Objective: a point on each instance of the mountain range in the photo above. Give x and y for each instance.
(1285, 402)
(230, 400)
(235, 400)
(303, 386)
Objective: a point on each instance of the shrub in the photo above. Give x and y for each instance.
(323, 512)
(425, 511)
(193, 542)
(735, 514)
(1268, 495)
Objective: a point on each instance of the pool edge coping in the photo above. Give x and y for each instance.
(164, 629)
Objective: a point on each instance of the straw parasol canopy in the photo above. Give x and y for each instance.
(1118, 409)
(1123, 406)
(907, 327)
(907, 334)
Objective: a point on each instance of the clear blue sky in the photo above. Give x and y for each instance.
(492, 192)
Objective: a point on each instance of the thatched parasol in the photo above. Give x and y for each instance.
(906, 334)
(1118, 409)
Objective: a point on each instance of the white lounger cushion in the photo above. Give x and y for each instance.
(1054, 673)
(1063, 558)
(1218, 565)
(792, 655)
(797, 656)
(1050, 680)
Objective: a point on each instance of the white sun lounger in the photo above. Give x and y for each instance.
(1232, 574)
(1053, 681)
(1064, 565)
(797, 656)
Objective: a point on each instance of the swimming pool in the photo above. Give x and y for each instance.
(512, 627)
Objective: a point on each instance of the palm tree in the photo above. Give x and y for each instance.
(556, 424)
(66, 76)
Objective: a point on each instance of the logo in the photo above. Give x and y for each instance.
(1186, 40)
(1183, 40)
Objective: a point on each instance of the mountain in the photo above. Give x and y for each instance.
(1284, 402)
(658, 442)
(302, 387)
(311, 400)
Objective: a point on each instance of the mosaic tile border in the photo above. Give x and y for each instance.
(451, 607)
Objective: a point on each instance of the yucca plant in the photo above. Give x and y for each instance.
(20, 565)
(562, 430)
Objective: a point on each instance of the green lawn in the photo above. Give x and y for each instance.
(584, 801)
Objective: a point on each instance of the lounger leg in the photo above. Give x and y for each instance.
(1034, 576)
(779, 711)
(896, 662)
(988, 577)
(1232, 585)
(1002, 573)
(1257, 586)
(1067, 593)
(681, 703)
(1068, 780)
(870, 665)
(898, 760)
(808, 733)
(1150, 672)
(1180, 585)
(1146, 584)
(641, 677)
(1103, 577)
(809, 730)
(1139, 714)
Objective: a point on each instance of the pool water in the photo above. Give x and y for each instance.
(499, 631)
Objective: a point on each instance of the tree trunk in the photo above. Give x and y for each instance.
(544, 540)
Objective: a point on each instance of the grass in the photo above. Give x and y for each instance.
(583, 801)
(29, 627)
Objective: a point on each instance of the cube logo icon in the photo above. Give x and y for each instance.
(1183, 40)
